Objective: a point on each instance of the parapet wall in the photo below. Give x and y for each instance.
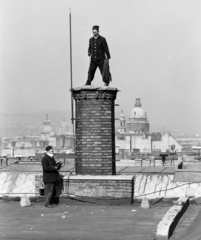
(17, 184)
(99, 186)
(138, 186)
(162, 186)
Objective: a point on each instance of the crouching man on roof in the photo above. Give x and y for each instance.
(51, 176)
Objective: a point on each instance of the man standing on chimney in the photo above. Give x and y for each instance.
(100, 55)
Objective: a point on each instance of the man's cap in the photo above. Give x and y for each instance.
(95, 28)
(48, 148)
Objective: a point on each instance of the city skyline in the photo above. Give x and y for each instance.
(155, 53)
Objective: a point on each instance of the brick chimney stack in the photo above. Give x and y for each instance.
(95, 130)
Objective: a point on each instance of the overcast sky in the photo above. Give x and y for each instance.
(154, 45)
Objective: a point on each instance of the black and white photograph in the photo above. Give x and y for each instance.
(100, 119)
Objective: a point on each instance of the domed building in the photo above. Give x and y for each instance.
(63, 139)
(65, 128)
(133, 136)
(47, 129)
(138, 122)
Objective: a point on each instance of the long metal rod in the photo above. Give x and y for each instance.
(71, 78)
(71, 72)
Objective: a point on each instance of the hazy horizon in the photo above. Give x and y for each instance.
(155, 53)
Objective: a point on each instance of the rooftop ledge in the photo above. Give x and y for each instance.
(99, 177)
(93, 87)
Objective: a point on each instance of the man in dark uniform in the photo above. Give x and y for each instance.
(51, 177)
(100, 55)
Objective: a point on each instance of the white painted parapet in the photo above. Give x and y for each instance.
(167, 225)
(17, 184)
(162, 186)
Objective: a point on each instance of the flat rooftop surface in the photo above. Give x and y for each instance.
(81, 219)
(32, 167)
(148, 170)
(128, 170)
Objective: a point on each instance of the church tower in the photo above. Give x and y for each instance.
(47, 129)
(122, 123)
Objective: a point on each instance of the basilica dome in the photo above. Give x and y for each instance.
(137, 111)
(64, 125)
(64, 129)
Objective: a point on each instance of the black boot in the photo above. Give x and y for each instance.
(88, 83)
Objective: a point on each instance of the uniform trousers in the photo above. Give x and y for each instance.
(92, 69)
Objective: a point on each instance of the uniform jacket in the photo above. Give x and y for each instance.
(98, 48)
(50, 174)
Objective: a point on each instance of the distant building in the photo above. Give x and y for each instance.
(138, 122)
(134, 136)
(64, 129)
(47, 129)
(63, 139)
(28, 146)
(163, 142)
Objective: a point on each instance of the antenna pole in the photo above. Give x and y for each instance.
(71, 72)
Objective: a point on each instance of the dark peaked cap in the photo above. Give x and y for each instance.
(48, 148)
(95, 27)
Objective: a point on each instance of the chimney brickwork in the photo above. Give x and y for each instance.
(95, 130)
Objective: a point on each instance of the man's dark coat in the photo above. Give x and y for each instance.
(50, 173)
(98, 48)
